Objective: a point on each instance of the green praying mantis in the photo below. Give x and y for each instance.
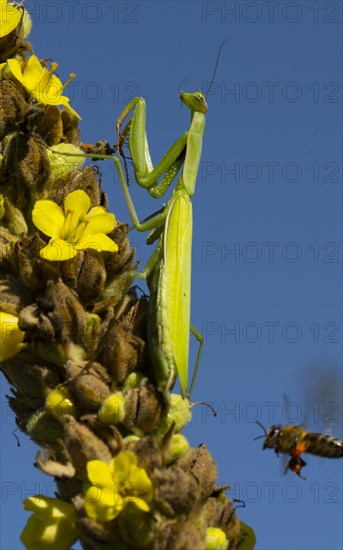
(168, 270)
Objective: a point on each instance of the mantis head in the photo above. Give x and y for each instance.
(195, 102)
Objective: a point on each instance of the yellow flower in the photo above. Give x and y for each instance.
(11, 337)
(9, 18)
(52, 525)
(77, 228)
(114, 485)
(41, 82)
(215, 539)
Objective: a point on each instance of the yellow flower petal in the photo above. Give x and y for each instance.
(78, 202)
(102, 505)
(100, 473)
(101, 223)
(96, 210)
(122, 464)
(58, 250)
(138, 502)
(97, 242)
(49, 218)
(142, 482)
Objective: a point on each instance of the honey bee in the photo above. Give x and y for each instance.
(294, 440)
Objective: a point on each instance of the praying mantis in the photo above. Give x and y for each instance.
(168, 270)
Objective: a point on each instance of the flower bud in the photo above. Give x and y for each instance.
(177, 448)
(59, 403)
(215, 539)
(112, 410)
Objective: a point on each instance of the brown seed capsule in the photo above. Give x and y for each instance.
(136, 527)
(83, 445)
(143, 408)
(176, 492)
(26, 168)
(71, 132)
(65, 312)
(33, 271)
(50, 126)
(123, 346)
(86, 180)
(12, 106)
(45, 429)
(89, 383)
(13, 219)
(14, 295)
(85, 274)
(109, 434)
(178, 535)
(93, 535)
(7, 255)
(31, 381)
(200, 464)
(148, 454)
(121, 262)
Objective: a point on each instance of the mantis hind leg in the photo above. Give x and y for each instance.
(200, 339)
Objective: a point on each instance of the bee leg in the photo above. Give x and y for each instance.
(296, 463)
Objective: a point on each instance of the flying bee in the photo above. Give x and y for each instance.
(294, 440)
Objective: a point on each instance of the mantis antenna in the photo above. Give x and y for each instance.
(216, 65)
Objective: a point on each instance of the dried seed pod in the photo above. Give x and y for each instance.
(148, 454)
(141, 536)
(93, 535)
(7, 254)
(89, 383)
(65, 312)
(86, 180)
(31, 380)
(26, 168)
(122, 261)
(50, 126)
(45, 429)
(12, 106)
(200, 464)
(33, 271)
(14, 295)
(109, 434)
(85, 274)
(178, 535)
(176, 492)
(83, 445)
(71, 132)
(123, 346)
(143, 408)
(13, 219)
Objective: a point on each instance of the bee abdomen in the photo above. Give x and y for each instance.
(324, 445)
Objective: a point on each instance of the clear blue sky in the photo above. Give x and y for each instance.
(269, 191)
